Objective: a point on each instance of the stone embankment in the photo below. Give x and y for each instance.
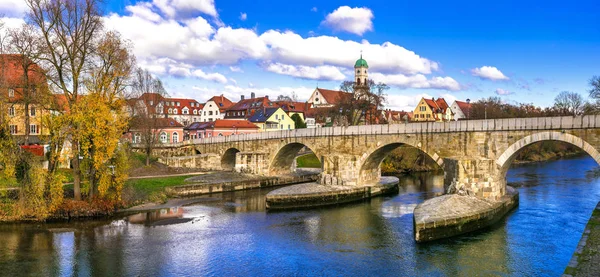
(314, 194)
(450, 215)
(201, 185)
(586, 259)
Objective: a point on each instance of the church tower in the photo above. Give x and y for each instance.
(361, 75)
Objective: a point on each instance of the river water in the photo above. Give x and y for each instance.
(231, 234)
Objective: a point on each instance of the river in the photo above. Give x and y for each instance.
(231, 234)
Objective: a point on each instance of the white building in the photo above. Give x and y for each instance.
(461, 109)
(215, 108)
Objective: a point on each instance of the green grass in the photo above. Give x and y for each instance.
(141, 158)
(308, 161)
(152, 185)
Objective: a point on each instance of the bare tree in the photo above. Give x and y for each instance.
(68, 32)
(146, 107)
(31, 90)
(293, 97)
(569, 103)
(361, 103)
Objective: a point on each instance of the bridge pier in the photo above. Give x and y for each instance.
(476, 177)
(256, 163)
(340, 170)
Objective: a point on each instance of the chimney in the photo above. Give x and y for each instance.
(252, 95)
(242, 97)
(221, 97)
(266, 96)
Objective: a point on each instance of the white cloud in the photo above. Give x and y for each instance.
(324, 72)
(215, 77)
(314, 9)
(416, 81)
(235, 69)
(500, 91)
(351, 20)
(243, 16)
(13, 8)
(185, 8)
(196, 43)
(291, 48)
(402, 102)
(144, 11)
(489, 72)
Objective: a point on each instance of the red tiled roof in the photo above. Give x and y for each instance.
(333, 96)
(222, 102)
(222, 124)
(289, 106)
(183, 103)
(463, 106)
(167, 123)
(12, 73)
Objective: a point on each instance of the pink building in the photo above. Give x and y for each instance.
(168, 130)
(218, 128)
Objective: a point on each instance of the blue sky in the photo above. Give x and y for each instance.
(523, 51)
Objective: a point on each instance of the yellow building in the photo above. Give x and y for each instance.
(432, 110)
(272, 119)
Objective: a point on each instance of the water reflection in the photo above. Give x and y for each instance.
(233, 235)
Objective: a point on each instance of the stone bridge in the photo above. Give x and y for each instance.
(474, 154)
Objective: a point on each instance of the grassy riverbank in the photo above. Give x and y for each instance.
(308, 161)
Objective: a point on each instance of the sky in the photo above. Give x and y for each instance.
(522, 51)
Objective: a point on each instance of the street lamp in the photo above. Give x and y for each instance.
(468, 108)
(485, 110)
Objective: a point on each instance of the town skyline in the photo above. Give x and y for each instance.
(216, 47)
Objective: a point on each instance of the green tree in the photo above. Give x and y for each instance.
(298, 122)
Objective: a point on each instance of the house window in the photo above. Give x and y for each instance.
(195, 111)
(175, 137)
(177, 104)
(33, 129)
(11, 111)
(220, 134)
(276, 117)
(174, 111)
(422, 108)
(210, 113)
(137, 138)
(11, 92)
(13, 129)
(32, 111)
(317, 99)
(289, 127)
(428, 115)
(170, 111)
(163, 137)
(185, 112)
(151, 102)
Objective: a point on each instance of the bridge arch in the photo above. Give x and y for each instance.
(370, 168)
(228, 159)
(283, 161)
(505, 160)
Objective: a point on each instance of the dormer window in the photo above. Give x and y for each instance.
(11, 92)
(177, 103)
(174, 111)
